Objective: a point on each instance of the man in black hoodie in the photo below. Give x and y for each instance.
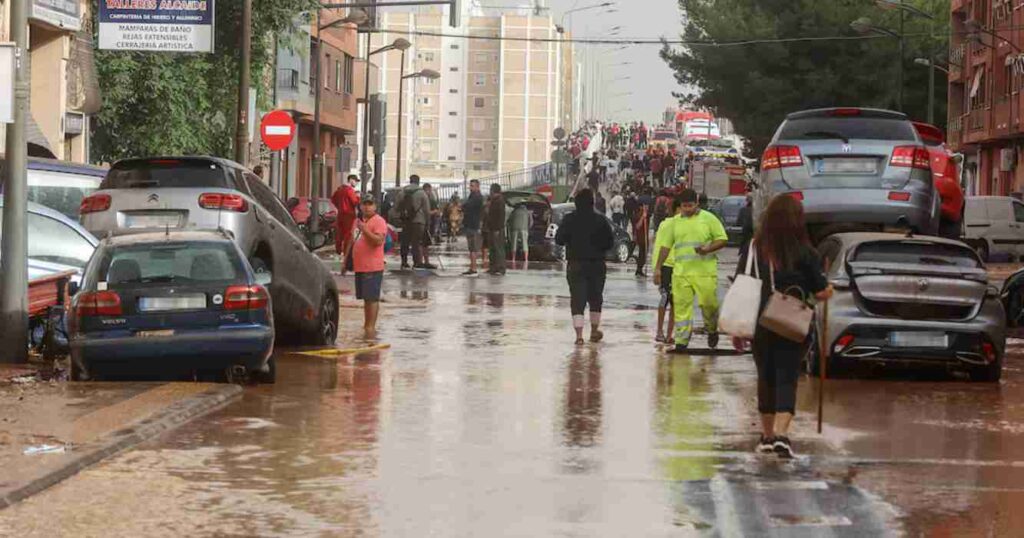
(587, 237)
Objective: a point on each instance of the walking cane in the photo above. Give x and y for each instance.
(823, 358)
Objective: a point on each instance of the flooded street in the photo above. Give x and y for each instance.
(483, 419)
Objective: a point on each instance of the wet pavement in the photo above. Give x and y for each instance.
(482, 419)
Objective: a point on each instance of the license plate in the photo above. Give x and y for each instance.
(919, 339)
(847, 166)
(152, 221)
(166, 304)
(154, 334)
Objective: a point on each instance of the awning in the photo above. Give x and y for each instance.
(35, 137)
(976, 85)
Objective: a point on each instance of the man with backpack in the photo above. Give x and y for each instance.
(412, 212)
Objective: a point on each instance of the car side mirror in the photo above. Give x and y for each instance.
(316, 241)
(73, 288)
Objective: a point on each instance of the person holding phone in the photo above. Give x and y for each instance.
(368, 262)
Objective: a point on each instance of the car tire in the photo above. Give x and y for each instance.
(988, 374)
(325, 332)
(267, 377)
(259, 266)
(622, 253)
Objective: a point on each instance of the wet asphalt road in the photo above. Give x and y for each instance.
(484, 420)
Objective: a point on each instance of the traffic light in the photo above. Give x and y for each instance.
(455, 13)
(378, 123)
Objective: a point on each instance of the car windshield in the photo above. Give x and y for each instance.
(54, 241)
(916, 253)
(163, 173)
(171, 262)
(848, 128)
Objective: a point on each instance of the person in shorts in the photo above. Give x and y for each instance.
(662, 239)
(472, 217)
(368, 262)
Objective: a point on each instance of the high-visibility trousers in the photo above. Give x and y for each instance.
(684, 290)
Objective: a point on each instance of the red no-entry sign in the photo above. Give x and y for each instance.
(277, 129)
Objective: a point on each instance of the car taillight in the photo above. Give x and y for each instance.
(99, 303)
(911, 157)
(226, 202)
(989, 351)
(845, 112)
(781, 157)
(796, 195)
(843, 342)
(246, 298)
(94, 204)
(899, 196)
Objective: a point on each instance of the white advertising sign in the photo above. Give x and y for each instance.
(156, 25)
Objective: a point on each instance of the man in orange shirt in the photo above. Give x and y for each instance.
(346, 200)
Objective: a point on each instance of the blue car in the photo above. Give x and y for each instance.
(178, 302)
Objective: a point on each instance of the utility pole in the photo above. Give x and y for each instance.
(314, 220)
(14, 244)
(244, 75)
(902, 40)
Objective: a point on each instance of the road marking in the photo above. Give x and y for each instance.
(728, 521)
(334, 352)
(790, 485)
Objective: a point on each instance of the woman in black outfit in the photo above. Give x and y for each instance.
(587, 237)
(783, 247)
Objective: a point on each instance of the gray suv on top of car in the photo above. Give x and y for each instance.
(855, 169)
(186, 193)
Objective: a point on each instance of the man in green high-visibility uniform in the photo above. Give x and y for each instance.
(695, 237)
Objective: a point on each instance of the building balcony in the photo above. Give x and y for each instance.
(954, 131)
(288, 79)
(977, 126)
(956, 61)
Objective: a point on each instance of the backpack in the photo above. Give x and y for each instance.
(406, 209)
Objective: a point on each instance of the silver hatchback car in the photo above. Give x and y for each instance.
(208, 193)
(911, 299)
(854, 169)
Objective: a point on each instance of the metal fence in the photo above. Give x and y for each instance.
(527, 178)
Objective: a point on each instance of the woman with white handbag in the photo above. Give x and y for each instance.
(791, 273)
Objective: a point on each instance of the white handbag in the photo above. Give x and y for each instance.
(739, 313)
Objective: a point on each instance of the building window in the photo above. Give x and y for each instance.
(338, 74)
(478, 149)
(350, 69)
(482, 57)
(428, 56)
(455, 46)
(478, 102)
(427, 81)
(454, 69)
(479, 125)
(453, 113)
(426, 101)
(327, 72)
(452, 135)
(479, 80)
(978, 89)
(1007, 79)
(453, 90)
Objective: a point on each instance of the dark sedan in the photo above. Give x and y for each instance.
(180, 302)
(621, 252)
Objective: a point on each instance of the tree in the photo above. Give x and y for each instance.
(756, 85)
(157, 103)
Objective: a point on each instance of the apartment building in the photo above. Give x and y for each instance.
(63, 82)
(986, 76)
(342, 78)
(494, 108)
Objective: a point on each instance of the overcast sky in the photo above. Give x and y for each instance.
(652, 82)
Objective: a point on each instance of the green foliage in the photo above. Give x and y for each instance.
(757, 85)
(174, 103)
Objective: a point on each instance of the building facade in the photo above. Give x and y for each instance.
(494, 108)
(986, 75)
(64, 88)
(342, 82)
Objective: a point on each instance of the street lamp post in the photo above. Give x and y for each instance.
(403, 45)
(429, 74)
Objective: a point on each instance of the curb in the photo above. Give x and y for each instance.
(163, 421)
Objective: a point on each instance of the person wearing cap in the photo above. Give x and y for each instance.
(692, 240)
(368, 262)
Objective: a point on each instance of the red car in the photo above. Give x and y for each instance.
(946, 174)
(300, 210)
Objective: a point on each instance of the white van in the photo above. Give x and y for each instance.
(994, 225)
(61, 185)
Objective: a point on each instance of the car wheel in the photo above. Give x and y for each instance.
(259, 266)
(622, 253)
(268, 376)
(327, 321)
(988, 374)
